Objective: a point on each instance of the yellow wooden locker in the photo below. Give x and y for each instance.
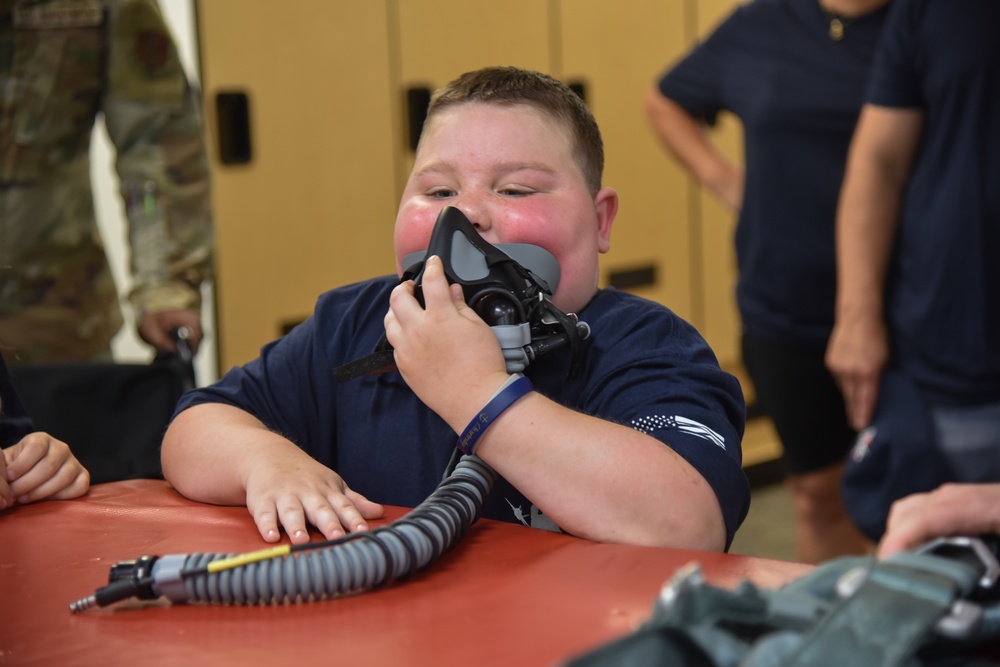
(616, 51)
(715, 259)
(715, 255)
(436, 40)
(314, 206)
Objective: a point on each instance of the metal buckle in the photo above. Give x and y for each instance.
(991, 567)
(963, 620)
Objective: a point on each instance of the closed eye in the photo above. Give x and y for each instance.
(516, 191)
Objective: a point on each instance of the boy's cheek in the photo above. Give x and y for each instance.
(414, 225)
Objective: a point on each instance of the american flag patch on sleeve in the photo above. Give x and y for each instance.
(657, 422)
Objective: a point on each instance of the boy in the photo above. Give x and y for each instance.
(641, 447)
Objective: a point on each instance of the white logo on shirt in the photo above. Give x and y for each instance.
(649, 424)
(534, 518)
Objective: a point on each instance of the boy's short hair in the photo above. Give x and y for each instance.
(513, 85)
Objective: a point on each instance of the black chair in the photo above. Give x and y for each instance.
(112, 416)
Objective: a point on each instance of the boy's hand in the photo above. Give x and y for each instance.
(446, 353)
(300, 491)
(39, 467)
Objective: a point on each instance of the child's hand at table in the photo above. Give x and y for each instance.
(40, 467)
(296, 491)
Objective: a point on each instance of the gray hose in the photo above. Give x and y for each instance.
(361, 562)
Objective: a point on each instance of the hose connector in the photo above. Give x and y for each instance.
(127, 579)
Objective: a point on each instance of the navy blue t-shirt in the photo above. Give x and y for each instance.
(942, 57)
(798, 93)
(642, 366)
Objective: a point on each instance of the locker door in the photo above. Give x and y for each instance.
(616, 50)
(714, 248)
(439, 39)
(718, 270)
(314, 205)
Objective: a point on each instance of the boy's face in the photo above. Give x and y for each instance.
(510, 169)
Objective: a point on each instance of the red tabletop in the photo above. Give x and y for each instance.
(505, 595)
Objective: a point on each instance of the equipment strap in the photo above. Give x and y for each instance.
(882, 623)
(935, 606)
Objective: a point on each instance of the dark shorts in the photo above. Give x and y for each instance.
(970, 439)
(794, 388)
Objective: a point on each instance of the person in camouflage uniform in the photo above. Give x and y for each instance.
(61, 62)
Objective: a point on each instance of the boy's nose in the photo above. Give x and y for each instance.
(480, 217)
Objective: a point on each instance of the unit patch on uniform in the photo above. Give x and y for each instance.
(152, 50)
(144, 65)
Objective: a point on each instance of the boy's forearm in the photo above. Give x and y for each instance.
(207, 449)
(603, 481)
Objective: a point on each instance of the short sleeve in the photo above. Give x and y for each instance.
(895, 79)
(695, 82)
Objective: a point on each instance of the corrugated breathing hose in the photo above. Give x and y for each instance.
(314, 571)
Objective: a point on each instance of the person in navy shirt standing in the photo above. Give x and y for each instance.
(919, 230)
(794, 73)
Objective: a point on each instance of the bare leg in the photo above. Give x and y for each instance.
(823, 530)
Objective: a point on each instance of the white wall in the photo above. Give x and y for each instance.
(127, 346)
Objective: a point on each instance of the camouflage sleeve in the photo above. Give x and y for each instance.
(153, 117)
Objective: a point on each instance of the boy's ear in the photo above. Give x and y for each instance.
(606, 205)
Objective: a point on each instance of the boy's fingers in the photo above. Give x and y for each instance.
(367, 508)
(267, 523)
(326, 520)
(293, 519)
(458, 300)
(349, 514)
(434, 285)
(402, 303)
(407, 286)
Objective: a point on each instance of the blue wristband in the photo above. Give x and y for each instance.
(513, 389)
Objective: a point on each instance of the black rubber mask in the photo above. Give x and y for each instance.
(496, 279)
(508, 285)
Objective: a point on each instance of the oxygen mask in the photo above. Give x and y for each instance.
(509, 285)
